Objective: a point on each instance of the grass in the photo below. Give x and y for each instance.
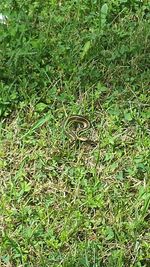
(82, 206)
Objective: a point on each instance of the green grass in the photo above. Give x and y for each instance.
(78, 206)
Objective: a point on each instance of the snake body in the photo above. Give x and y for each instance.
(75, 135)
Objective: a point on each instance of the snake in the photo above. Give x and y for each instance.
(75, 135)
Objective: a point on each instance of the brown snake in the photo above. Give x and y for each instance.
(75, 135)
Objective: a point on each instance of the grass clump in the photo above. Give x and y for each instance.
(80, 206)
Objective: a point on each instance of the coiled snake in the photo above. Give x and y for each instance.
(74, 135)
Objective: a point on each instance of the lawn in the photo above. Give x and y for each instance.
(81, 205)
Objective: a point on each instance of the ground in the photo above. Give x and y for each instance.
(81, 205)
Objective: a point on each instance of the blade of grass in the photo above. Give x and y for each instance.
(38, 124)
